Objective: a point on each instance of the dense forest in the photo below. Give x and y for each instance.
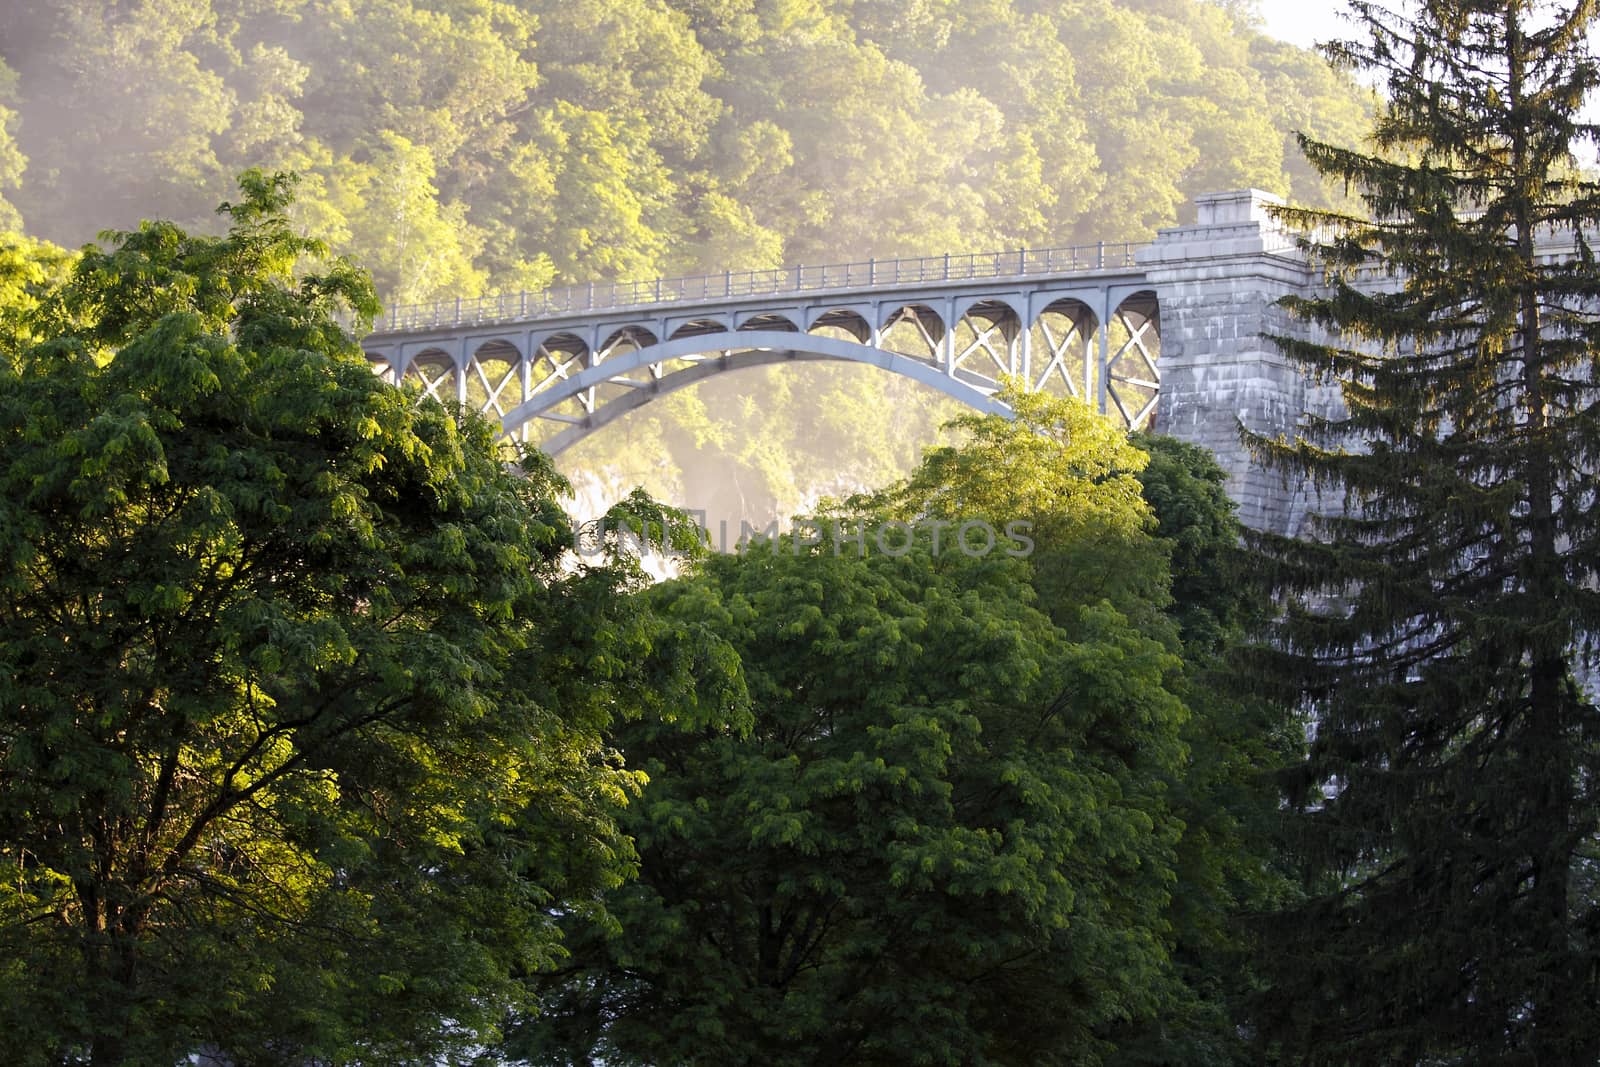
(461, 147)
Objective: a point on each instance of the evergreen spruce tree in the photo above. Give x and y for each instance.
(1444, 613)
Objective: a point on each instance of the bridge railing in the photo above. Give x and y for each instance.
(868, 274)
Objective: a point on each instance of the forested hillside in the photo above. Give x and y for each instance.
(461, 147)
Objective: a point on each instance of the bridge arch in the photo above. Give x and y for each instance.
(494, 381)
(700, 326)
(383, 367)
(1062, 340)
(917, 331)
(755, 348)
(848, 321)
(625, 339)
(555, 377)
(436, 372)
(545, 343)
(1132, 375)
(985, 341)
(767, 320)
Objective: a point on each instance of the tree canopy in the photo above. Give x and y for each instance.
(957, 827)
(301, 749)
(814, 130)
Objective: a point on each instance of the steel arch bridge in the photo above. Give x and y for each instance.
(557, 366)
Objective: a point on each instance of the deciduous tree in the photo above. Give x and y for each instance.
(1146, 525)
(942, 839)
(972, 820)
(300, 714)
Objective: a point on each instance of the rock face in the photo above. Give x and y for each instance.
(1218, 281)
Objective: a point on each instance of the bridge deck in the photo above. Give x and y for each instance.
(557, 365)
(867, 275)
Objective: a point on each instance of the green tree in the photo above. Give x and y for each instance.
(1146, 525)
(29, 270)
(128, 80)
(12, 161)
(450, 76)
(1440, 627)
(942, 839)
(1229, 865)
(746, 839)
(1070, 473)
(585, 193)
(636, 61)
(423, 249)
(300, 710)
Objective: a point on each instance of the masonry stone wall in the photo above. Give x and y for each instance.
(1218, 281)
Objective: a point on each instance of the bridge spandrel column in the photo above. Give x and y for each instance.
(1217, 282)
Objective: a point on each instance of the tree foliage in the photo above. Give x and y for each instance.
(921, 839)
(300, 716)
(1441, 628)
(1229, 865)
(971, 819)
(12, 161)
(1016, 123)
(1145, 525)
